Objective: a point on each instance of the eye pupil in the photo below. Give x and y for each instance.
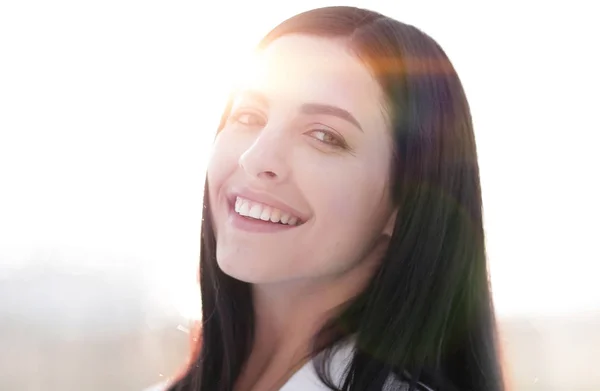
(327, 138)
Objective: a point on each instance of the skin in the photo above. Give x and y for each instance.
(332, 172)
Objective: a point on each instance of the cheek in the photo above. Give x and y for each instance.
(348, 192)
(342, 206)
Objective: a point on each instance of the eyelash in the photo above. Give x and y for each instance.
(338, 141)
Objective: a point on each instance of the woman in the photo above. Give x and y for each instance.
(342, 240)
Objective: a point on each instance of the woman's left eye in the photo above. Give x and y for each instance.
(328, 137)
(248, 118)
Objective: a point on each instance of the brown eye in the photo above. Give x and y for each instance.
(327, 137)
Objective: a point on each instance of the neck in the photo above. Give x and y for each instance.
(294, 312)
(286, 320)
(288, 315)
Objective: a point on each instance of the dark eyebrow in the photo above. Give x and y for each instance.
(319, 108)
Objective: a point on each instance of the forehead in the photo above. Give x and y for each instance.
(300, 68)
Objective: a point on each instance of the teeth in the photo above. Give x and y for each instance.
(266, 214)
(255, 211)
(263, 212)
(244, 208)
(275, 215)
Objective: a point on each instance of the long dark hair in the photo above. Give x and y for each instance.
(426, 315)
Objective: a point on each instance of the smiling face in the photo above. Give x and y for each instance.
(299, 176)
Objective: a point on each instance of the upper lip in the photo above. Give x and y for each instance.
(264, 198)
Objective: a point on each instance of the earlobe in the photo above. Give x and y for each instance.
(391, 223)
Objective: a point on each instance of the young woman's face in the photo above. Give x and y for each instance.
(298, 181)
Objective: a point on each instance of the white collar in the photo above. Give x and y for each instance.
(306, 379)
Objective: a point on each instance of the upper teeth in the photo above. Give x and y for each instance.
(263, 212)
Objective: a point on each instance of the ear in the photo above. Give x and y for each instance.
(391, 223)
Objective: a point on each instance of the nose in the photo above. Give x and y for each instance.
(266, 158)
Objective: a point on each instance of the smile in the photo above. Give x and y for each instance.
(258, 211)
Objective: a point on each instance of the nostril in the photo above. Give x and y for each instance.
(270, 174)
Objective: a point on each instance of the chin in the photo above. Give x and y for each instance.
(266, 274)
(243, 272)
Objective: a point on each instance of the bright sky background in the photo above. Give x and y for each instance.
(108, 110)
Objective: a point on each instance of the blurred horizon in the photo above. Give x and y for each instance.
(106, 330)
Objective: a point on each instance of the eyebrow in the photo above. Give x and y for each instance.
(309, 108)
(319, 108)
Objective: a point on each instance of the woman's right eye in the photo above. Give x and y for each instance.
(248, 118)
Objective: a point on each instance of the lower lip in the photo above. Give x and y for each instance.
(254, 225)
